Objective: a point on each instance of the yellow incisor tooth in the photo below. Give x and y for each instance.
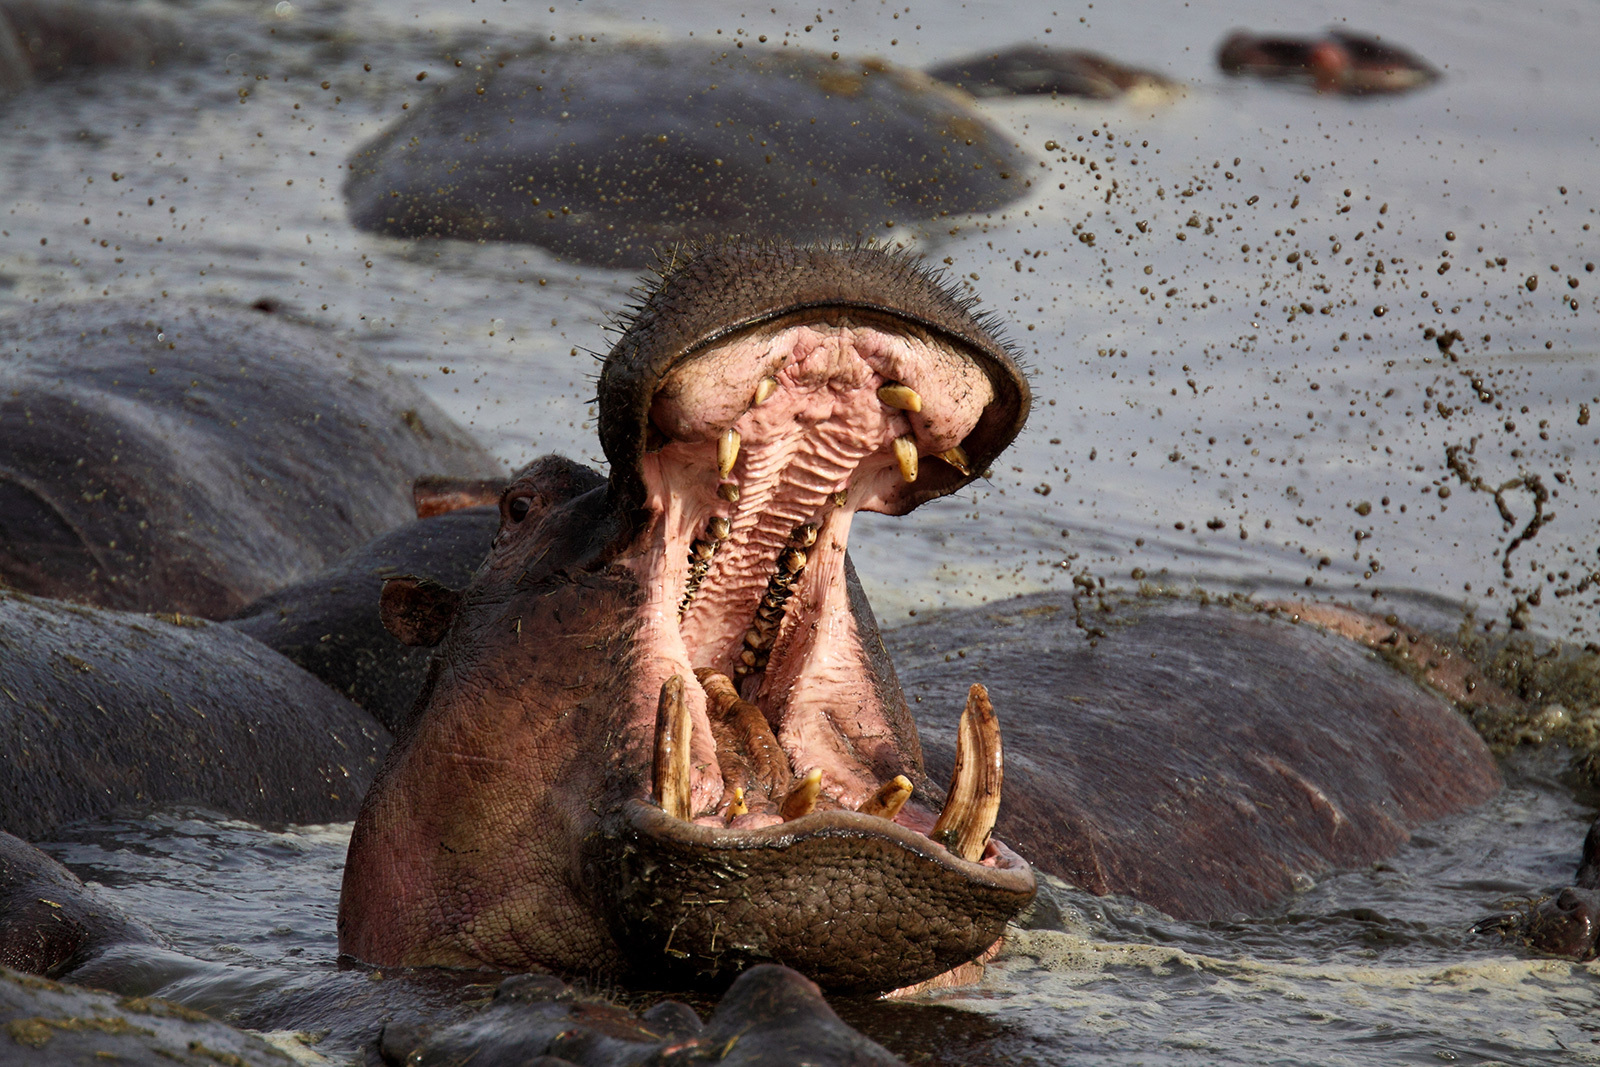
(900, 397)
(737, 806)
(727, 451)
(905, 454)
(802, 799)
(764, 390)
(889, 799)
(974, 800)
(670, 768)
(957, 458)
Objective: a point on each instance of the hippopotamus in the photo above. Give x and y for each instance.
(1567, 922)
(193, 458)
(102, 710)
(1340, 61)
(54, 927)
(42, 40)
(604, 155)
(661, 736)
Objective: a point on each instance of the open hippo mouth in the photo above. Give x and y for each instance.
(754, 790)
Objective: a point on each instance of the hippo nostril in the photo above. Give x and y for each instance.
(1569, 901)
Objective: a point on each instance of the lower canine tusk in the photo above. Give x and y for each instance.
(889, 799)
(802, 799)
(670, 768)
(969, 812)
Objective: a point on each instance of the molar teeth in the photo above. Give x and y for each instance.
(670, 767)
(889, 799)
(729, 492)
(969, 811)
(957, 458)
(791, 561)
(900, 397)
(701, 550)
(803, 536)
(764, 390)
(802, 799)
(840, 497)
(905, 454)
(727, 451)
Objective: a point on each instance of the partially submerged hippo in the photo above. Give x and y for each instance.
(1352, 64)
(660, 738)
(1566, 923)
(42, 40)
(605, 155)
(102, 710)
(55, 927)
(193, 458)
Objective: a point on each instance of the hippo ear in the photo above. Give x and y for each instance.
(436, 494)
(417, 611)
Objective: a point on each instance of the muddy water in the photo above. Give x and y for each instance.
(1229, 394)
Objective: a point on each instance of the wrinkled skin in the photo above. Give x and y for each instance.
(195, 460)
(103, 710)
(520, 823)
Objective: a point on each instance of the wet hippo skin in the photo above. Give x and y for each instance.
(605, 155)
(53, 926)
(101, 710)
(195, 458)
(1203, 759)
(657, 740)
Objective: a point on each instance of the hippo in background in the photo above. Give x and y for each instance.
(43, 40)
(194, 458)
(1350, 64)
(186, 464)
(1565, 923)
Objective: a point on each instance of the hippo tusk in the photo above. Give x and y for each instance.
(802, 799)
(889, 799)
(970, 809)
(670, 768)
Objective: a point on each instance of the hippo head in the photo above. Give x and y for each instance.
(1567, 924)
(660, 738)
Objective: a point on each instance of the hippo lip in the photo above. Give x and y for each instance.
(860, 903)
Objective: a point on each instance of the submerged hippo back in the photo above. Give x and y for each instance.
(195, 458)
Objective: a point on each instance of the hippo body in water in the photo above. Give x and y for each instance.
(195, 458)
(662, 737)
(605, 155)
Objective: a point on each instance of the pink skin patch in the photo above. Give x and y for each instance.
(818, 448)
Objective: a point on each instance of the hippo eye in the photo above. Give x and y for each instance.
(518, 507)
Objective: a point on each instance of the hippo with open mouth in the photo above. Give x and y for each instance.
(660, 737)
